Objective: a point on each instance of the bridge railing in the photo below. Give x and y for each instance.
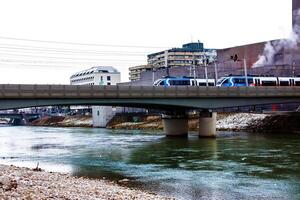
(12, 91)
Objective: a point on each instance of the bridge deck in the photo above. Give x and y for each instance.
(22, 96)
(136, 92)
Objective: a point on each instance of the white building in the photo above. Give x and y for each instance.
(103, 75)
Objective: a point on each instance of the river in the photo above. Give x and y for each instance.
(232, 166)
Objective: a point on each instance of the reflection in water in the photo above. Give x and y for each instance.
(172, 152)
(247, 166)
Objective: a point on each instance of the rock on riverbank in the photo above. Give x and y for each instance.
(225, 122)
(228, 122)
(60, 121)
(24, 183)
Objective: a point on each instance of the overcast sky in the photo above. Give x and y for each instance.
(121, 33)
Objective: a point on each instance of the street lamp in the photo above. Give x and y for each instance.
(204, 60)
(246, 73)
(216, 72)
(166, 63)
(153, 74)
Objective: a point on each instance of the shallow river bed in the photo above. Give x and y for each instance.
(233, 166)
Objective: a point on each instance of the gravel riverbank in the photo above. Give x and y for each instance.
(225, 122)
(24, 183)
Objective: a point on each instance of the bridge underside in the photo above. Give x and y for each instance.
(163, 104)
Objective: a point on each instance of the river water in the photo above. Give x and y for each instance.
(233, 166)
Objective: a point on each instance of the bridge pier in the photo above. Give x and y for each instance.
(102, 115)
(175, 125)
(207, 124)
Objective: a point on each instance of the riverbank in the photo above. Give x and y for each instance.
(68, 121)
(225, 122)
(26, 183)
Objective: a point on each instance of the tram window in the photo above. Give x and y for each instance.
(239, 80)
(179, 82)
(162, 83)
(226, 81)
(242, 80)
(297, 83)
(211, 84)
(202, 84)
(268, 83)
(284, 83)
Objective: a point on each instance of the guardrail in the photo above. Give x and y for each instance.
(15, 91)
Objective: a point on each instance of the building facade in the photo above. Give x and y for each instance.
(103, 75)
(186, 56)
(135, 72)
(180, 57)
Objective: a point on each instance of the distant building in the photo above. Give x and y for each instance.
(186, 56)
(135, 72)
(181, 57)
(103, 75)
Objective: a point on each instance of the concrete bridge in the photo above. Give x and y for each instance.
(174, 100)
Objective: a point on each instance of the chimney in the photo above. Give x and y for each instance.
(296, 13)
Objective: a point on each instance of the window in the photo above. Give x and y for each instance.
(179, 82)
(242, 80)
(108, 84)
(101, 78)
(226, 81)
(268, 83)
(108, 78)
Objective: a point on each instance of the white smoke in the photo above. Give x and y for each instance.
(273, 47)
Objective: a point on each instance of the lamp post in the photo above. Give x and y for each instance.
(216, 72)
(246, 73)
(153, 74)
(166, 63)
(293, 66)
(205, 62)
(194, 70)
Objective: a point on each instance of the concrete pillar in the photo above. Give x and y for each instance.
(175, 125)
(102, 115)
(207, 124)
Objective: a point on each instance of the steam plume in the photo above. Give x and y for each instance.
(273, 47)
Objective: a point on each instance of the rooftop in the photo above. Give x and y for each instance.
(98, 69)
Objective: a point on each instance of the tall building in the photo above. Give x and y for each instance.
(185, 56)
(103, 75)
(180, 57)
